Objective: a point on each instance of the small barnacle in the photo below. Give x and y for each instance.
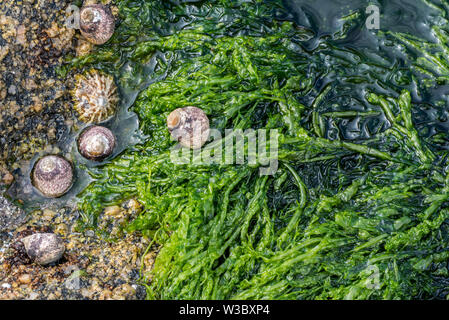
(190, 126)
(96, 23)
(96, 143)
(95, 97)
(52, 176)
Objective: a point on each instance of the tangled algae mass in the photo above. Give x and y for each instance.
(358, 206)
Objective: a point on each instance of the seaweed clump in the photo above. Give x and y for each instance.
(358, 206)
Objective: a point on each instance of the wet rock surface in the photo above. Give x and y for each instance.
(36, 115)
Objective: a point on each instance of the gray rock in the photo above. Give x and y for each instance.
(44, 248)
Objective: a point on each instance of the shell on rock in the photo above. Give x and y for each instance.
(190, 126)
(96, 143)
(96, 23)
(44, 248)
(52, 175)
(95, 97)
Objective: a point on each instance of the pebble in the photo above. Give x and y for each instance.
(33, 296)
(83, 48)
(134, 205)
(28, 59)
(112, 211)
(123, 292)
(48, 214)
(11, 216)
(90, 233)
(85, 293)
(100, 267)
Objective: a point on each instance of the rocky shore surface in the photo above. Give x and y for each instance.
(36, 115)
(91, 267)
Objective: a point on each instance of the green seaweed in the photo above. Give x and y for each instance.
(360, 218)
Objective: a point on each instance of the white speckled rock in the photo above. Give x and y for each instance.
(11, 216)
(44, 248)
(52, 175)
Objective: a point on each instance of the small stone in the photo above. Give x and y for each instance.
(11, 216)
(30, 84)
(8, 178)
(44, 248)
(85, 293)
(6, 286)
(53, 31)
(4, 50)
(25, 278)
(38, 107)
(105, 295)
(21, 35)
(134, 205)
(90, 233)
(52, 175)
